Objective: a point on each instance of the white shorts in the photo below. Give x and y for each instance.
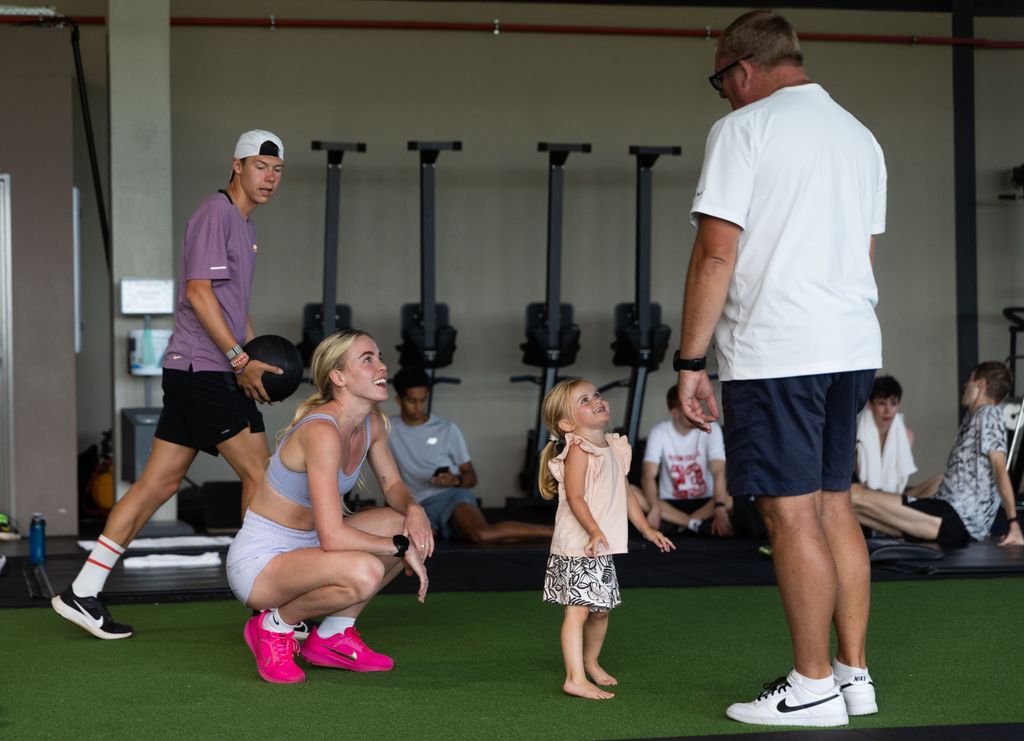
(256, 543)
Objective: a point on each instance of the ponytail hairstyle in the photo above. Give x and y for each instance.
(557, 407)
(331, 354)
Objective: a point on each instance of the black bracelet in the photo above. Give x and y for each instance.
(1010, 521)
(401, 543)
(719, 504)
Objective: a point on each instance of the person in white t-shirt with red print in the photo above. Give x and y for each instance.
(683, 475)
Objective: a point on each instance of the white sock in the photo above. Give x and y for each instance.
(817, 686)
(94, 573)
(843, 672)
(694, 524)
(334, 624)
(273, 621)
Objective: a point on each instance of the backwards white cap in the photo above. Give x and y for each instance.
(257, 142)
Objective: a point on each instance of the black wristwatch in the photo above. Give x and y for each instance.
(687, 364)
(401, 543)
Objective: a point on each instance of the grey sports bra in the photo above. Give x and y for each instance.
(294, 485)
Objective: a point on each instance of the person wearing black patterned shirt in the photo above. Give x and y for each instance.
(974, 485)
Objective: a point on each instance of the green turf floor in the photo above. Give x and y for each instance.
(487, 666)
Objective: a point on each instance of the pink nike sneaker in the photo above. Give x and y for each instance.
(274, 652)
(344, 651)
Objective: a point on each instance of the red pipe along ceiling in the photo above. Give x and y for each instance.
(496, 27)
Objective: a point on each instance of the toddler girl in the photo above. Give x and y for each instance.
(585, 467)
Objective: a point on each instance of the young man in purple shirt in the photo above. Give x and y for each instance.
(210, 385)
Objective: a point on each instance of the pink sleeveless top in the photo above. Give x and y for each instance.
(604, 492)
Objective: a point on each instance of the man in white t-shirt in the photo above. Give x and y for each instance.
(683, 475)
(790, 195)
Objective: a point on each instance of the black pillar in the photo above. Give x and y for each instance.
(965, 185)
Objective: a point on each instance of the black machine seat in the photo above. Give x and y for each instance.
(414, 351)
(630, 349)
(535, 349)
(313, 327)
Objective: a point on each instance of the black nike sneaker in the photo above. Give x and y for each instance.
(89, 613)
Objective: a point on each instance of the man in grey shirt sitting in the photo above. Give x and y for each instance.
(434, 461)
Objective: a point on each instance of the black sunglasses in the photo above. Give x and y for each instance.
(716, 79)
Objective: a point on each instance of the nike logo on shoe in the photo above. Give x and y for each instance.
(782, 707)
(87, 616)
(351, 657)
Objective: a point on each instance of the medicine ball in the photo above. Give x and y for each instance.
(275, 350)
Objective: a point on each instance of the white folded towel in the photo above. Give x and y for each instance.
(885, 469)
(173, 560)
(179, 541)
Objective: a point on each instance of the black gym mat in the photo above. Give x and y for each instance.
(977, 559)
(698, 561)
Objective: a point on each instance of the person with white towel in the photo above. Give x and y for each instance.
(885, 459)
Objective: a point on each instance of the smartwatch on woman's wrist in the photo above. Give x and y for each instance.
(401, 543)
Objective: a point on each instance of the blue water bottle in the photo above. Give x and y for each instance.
(37, 539)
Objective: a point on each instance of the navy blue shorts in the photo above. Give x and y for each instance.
(791, 436)
(440, 507)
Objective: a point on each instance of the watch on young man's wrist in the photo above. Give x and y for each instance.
(687, 364)
(401, 543)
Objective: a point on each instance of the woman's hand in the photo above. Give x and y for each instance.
(658, 538)
(417, 530)
(414, 565)
(593, 547)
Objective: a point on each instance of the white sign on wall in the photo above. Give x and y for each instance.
(147, 296)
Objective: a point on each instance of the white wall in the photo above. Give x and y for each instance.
(501, 95)
(999, 99)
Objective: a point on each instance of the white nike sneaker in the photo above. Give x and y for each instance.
(785, 703)
(857, 688)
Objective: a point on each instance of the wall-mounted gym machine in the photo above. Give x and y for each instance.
(552, 339)
(640, 337)
(428, 340)
(317, 323)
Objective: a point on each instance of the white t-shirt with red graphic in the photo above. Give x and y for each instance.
(683, 460)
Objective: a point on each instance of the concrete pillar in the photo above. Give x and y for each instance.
(39, 360)
(140, 183)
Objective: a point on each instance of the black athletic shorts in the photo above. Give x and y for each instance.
(689, 506)
(952, 531)
(204, 408)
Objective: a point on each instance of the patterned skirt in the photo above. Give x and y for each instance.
(582, 580)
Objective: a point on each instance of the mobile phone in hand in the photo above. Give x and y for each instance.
(440, 470)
